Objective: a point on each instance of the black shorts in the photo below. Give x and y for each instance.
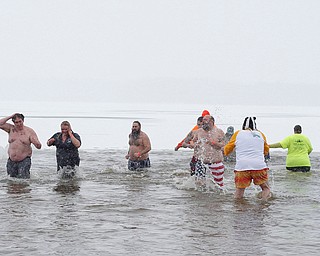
(299, 169)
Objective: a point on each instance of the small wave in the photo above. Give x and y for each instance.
(203, 185)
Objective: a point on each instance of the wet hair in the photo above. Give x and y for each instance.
(66, 123)
(15, 116)
(297, 129)
(249, 123)
(200, 119)
(137, 122)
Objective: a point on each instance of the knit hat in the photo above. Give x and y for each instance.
(205, 112)
(249, 123)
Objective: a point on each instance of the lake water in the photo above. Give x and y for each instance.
(108, 210)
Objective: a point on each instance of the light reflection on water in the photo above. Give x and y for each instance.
(108, 210)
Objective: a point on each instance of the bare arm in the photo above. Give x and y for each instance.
(194, 139)
(220, 142)
(4, 125)
(147, 145)
(275, 145)
(186, 142)
(34, 139)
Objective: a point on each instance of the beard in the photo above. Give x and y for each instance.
(135, 134)
(206, 127)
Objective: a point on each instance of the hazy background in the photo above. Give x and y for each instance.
(168, 51)
(102, 64)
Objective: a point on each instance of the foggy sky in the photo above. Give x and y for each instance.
(201, 51)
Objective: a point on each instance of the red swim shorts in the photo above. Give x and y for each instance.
(243, 179)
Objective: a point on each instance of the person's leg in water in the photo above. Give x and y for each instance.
(239, 193)
(266, 193)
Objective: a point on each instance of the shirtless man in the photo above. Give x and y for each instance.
(20, 139)
(208, 143)
(139, 146)
(186, 144)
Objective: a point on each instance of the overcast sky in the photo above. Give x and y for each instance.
(199, 51)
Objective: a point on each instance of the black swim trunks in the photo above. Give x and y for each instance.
(299, 169)
(19, 169)
(135, 165)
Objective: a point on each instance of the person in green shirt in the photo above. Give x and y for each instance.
(299, 147)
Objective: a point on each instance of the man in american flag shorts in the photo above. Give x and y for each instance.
(208, 143)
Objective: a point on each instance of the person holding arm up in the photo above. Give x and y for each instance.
(20, 151)
(67, 143)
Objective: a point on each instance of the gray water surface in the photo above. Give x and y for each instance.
(109, 210)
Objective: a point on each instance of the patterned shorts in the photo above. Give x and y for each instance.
(193, 165)
(19, 169)
(216, 170)
(136, 165)
(243, 179)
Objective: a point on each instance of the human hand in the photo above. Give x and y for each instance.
(50, 141)
(137, 155)
(69, 131)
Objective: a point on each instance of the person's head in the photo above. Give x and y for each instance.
(199, 121)
(136, 126)
(205, 112)
(18, 119)
(208, 122)
(230, 130)
(65, 127)
(249, 123)
(297, 129)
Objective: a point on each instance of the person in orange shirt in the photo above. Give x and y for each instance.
(180, 144)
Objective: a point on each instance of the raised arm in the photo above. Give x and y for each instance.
(76, 142)
(4, 125)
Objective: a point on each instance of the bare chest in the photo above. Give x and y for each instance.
(135, 142)
(19, 137)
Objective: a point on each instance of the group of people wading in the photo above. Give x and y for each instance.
(20, 138)
(211, 148)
